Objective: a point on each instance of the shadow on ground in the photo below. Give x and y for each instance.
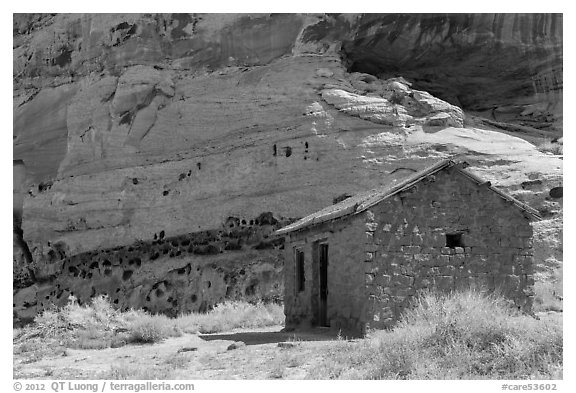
(257, 338)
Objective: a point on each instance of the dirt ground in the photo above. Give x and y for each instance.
(267, 353)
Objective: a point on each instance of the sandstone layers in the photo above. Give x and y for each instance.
(128, 126)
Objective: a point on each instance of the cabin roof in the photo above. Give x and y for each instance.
(364, 200)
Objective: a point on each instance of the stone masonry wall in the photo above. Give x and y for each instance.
(405, 246)
(346, 289)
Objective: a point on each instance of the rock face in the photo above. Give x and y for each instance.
(393, 103)
(131, 125)
(508, 66)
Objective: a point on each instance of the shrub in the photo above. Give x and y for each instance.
(98, 325)
(151, 329)
(548, 293)
(464, 335)
(232, 315)
(551, 147)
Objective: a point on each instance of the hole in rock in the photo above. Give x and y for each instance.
(556, 192)
(127, 274)
(250, 290)
(193, 298)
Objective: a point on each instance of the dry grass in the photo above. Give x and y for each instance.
(549, 292)
(232, 315)
(458, 336)
(99, 325)
(551, 147)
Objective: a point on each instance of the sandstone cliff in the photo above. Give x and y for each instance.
(130, 126)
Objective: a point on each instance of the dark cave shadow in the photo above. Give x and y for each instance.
(257, 338)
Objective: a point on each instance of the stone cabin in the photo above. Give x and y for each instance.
(357, 264)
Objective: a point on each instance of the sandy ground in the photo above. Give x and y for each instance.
(191, 357)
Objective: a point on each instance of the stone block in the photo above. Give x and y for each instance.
(370, 216)
(463, 283)
(459, 250)
(423, 259)
(447, 270)
(506, 268)
(403, 259)
(371, 247)
(369, 278)
(511, 282)
(478, 250)
(404, 292)
(405, 240)
(371, 268)
(401, 280)
(368, 256)
(444, 283)
(386, 313)
(458, 260)
(411, 249)
(369, 237)
(446, 251)
(527, 268)
(371, 226)
(417, 240)
(444, 260)
(423, 282)
(383, 280)
(438, 240)
(384, 238)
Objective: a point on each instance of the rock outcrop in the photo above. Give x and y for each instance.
(394, 103)
(506, 66)
(132, 125)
